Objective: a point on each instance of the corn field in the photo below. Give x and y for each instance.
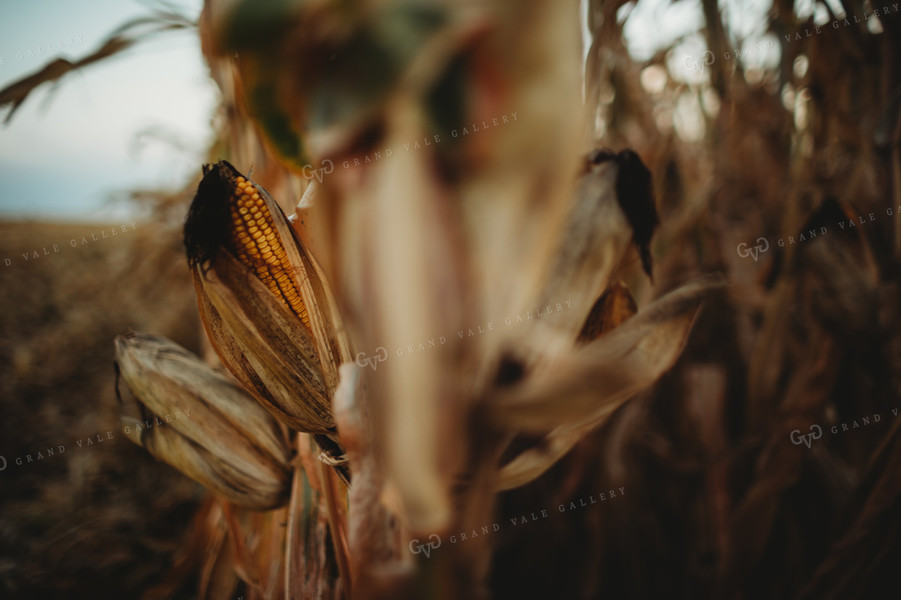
(483, 306)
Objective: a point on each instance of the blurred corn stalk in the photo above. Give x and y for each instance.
(454, 235)
(809, 335)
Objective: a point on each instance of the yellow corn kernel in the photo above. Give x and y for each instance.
(257, 245)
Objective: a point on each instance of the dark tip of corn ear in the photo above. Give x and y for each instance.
(635, 195)
(208, 221)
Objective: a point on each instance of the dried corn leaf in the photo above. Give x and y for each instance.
(311, 569)
(123, 38)
(863, 561)
(410, 293)
(589, 384)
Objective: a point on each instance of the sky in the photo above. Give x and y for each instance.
(68, 151)
(65, 154)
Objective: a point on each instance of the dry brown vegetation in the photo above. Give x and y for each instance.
(103, 519)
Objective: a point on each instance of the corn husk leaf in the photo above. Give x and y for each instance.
(613, 307)
(274, 356)
(585, 387)
(580, 393)
(373, 535)
(312, 569)
(222, 438)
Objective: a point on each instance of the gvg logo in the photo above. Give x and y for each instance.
(327, 168)
(417, 547)
(744, 251)
(816, 432)
(372, 361)
(693, 64)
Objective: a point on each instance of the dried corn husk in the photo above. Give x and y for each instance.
(223, 440)
(613, 307)
(584, 388)
(593, 243)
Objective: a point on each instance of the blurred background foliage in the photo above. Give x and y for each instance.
(797, 133)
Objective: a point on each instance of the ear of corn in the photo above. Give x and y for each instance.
(613, 307)
(262, 302)
(231, 212)
(214, 432)
(256, 490)
(594, 240)
(256, 244)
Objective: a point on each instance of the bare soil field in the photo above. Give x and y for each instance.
(84, 512)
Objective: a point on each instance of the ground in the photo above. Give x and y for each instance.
(98, 517)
